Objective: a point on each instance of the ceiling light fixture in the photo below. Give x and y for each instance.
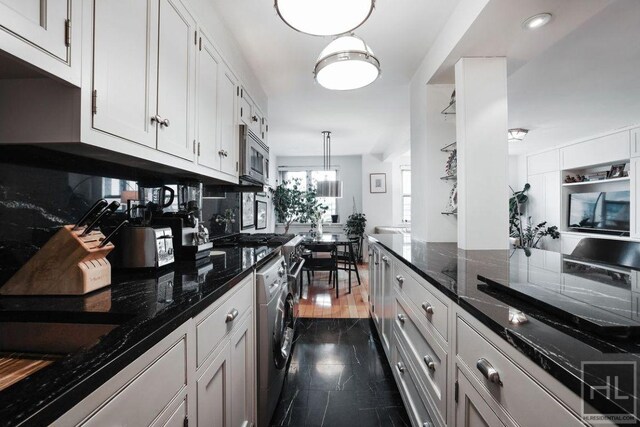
(324, 17)
(328, 188)
(517, 134)
(346, 63)
(537, 21)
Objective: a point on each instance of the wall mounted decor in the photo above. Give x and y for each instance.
(248, 207)
(377, 182)
(261, 215)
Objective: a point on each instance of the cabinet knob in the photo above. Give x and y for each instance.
(165, 123)
(428, 308)
(488, 371)
(385, 259)
(221, 152)
(254, 118)
(226, 153)
(157, 119)
(400, 279)
(428, 360)
(231, 316)
(400, 367)
(401, 318)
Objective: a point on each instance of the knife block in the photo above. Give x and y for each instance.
(68, 264)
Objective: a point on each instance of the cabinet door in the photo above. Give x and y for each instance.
(471, 409)
(245, 109)
(209, 64)
(265, 131)
(214, 401)
(125, 69)
(176, 79)
(228, 141)
(243, 385)
(39, 22)
(375, 288)
(386, 285)
(635, 142)
(256, 122)
(634, 175)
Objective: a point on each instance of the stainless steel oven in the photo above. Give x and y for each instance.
(254, 157)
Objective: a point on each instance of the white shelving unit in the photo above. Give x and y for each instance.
(602, 181)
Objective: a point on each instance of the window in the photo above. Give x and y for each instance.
(312, 176)
(406, 193)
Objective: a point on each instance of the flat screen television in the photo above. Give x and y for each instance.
(606, 212)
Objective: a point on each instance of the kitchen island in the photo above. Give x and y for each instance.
(140, 310)
(457, 318)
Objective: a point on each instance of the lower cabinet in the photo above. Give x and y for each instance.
(214, 401)
(242, 355)
(471, 408)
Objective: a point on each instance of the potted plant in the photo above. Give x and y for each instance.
(354, 227)
(293, 203)
(526, 235)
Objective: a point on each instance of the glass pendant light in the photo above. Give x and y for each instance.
(346, 63)
(328, 188)
(324, 17)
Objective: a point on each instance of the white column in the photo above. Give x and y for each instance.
(481, 131)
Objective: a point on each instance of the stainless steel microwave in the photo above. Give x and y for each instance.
(254, 157)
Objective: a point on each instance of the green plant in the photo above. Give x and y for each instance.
(526, 235)
(294, 203)
(532, 235)
(355, 224)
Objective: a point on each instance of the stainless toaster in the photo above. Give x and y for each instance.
(144, 247)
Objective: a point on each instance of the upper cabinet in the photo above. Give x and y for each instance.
(228, 136)
(209, 69)
(635, 142)
(41, 32)
(606, 149)
(249, 114)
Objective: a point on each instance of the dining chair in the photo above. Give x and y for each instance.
(316, 260)
(346, 257)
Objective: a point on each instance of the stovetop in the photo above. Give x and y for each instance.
(256, 239)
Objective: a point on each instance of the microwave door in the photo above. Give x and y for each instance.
(257, 162)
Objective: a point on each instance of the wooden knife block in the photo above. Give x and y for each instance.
(67, 264)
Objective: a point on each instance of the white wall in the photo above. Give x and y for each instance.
(517, 172)
(378, 207)
(349, 171)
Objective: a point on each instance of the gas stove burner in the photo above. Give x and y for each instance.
(258, 239)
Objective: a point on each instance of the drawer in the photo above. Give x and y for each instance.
(159, 384)
(508, 394)
(214, 326)
(406, 380)
(428, 358)
(434, 313)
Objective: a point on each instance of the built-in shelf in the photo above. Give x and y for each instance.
(450, 213)
(450, 109)
(602, 181)
(449, 148)
(449, 177)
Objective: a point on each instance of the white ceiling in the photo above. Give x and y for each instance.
(367, 120)
(575, 78)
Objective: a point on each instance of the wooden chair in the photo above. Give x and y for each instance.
(322, 262)
(346, 258)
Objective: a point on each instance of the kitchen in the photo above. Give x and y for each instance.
(202, 228)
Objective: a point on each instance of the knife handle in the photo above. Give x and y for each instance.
(113, 233)
(98, 206)
(105, 213)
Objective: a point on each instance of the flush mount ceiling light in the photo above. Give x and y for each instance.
(346, 63)
(517, 134)
(328, 188)
(324, 17)
(537, 21)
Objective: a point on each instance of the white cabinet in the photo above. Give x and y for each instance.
(386, 300)
(209, 67)
(634, 136)
(125, 77)
(243, 389)
(176, 79)
(606, 149)
(245, 106)
(374, 285)
(549, 161)
(228, 138)
(471, 409)
(40, 32)
(249, 114)
(545, 201)
(634, 176)
(214, 400)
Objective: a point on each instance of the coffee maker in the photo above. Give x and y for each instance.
(190, 236)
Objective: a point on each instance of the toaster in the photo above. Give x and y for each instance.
(144, 247)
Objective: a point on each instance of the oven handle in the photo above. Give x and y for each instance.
(297, 273)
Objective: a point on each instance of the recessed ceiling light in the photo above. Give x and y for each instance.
(324, 17)
(537, 21)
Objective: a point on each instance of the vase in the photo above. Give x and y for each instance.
(227, 227)
(319, 228)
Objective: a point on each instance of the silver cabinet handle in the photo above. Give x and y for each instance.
(165, 123)
(428, 308)
(157, 118)
(221, 152)
(401, 318)
(427, 424)
(488, 371)
(231, 316)
(385, 259)
(254, 118)
(428, 360)
(400, 367)
(226, 153)
(400, 279)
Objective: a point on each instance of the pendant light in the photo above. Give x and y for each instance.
(324, 17)
(328, 188)
(346, 63)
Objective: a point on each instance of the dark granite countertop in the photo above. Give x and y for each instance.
(146, 307)
(488, 284)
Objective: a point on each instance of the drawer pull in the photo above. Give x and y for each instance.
(427, 424)
(401, 318)
(428, 360)
(488, 371)
(428, 308)
(231, 316)
(400, 279)
(400, 367)
(385, 259)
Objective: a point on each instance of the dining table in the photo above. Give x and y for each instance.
(339, 239)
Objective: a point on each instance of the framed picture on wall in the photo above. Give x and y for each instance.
(377, 182)
(248, 207)
(261, 215)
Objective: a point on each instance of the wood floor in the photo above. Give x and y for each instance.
(319, 300)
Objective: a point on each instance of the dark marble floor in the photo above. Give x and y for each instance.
(339, 376)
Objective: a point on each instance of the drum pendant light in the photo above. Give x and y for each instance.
(328, 188)
(346, 63)
(324, 17)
